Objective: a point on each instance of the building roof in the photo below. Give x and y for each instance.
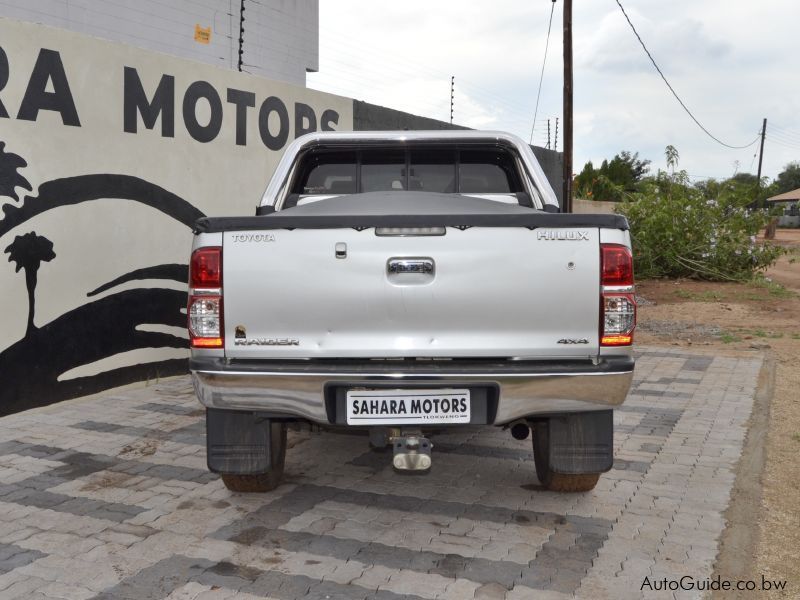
(792, 196)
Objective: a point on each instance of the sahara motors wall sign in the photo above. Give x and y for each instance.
(160, 103)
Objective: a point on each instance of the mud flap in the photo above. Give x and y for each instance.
(582, 442)
(237, 442)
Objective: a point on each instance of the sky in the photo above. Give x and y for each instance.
(733, 63)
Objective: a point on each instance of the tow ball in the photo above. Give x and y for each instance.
(412, 452)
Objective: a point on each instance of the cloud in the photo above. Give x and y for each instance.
(677, 46)
(729, 61)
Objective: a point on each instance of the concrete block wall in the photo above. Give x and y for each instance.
(552, 164)
(280, 41)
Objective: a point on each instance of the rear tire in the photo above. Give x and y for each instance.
(263, 482)
(552, 481)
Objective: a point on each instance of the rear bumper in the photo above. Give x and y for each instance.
(306, 389)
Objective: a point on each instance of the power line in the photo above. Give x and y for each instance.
(772, 140)
(785, 140)
(781, 134)
(786, 136)
(400, 65)
(789, 132)
(688, 112)
(397, 69)
(544, 61)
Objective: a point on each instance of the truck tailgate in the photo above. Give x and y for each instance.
(476, 292)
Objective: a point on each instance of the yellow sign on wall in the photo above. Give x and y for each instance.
(202, 34)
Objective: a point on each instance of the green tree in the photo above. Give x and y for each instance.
(789, 178)
(584, 181)
(627, 169)
(28, 251)
(745, 178)
(613, 179)
(710, 188)
(671, 153)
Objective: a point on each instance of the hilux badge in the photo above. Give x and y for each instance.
(557, 234)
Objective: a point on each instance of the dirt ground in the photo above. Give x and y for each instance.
(755, 317)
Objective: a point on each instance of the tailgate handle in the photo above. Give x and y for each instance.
(421, 266)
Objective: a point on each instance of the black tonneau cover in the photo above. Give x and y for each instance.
(407, 209)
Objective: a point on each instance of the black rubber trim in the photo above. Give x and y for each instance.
(534, 220)
(414, 368)
(393, 208)
(524, 199)
(265, 209)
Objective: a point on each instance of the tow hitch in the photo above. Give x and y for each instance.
(412, 452)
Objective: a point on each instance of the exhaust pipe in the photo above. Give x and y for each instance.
(520, 431)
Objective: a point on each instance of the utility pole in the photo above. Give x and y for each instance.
(567, 207)
(452, 94)
(769, 232)
(761, 152)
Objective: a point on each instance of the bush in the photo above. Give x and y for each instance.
(678, 231)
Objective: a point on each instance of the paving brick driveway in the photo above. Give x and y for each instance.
(110, 498)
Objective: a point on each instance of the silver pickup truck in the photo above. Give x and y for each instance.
(404, 283)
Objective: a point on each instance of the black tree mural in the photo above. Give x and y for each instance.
(32, 369)
(9, 177)
(28, 251)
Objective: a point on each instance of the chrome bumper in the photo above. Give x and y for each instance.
(298, 388)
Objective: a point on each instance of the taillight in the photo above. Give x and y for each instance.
(206, 268)
(205, 298)
(617, 265)
(617, 299)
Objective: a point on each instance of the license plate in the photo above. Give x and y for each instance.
(390, 407)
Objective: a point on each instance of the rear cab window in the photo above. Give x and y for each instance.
(328, 173)
(491, 173)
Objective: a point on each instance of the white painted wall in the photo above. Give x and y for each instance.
(97, 241)
(281, 37)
